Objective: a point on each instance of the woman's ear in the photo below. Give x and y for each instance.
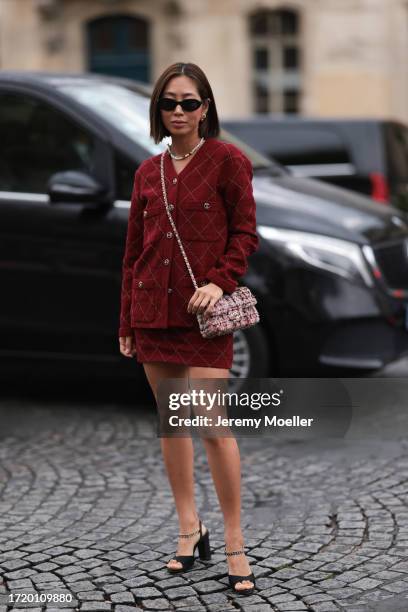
(206, 105)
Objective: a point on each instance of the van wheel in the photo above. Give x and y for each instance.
(251, 356)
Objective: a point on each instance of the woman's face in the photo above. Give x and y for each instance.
(178, 121)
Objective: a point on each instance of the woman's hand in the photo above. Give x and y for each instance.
(204, 298)
(127, 346)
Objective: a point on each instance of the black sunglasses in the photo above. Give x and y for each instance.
(189, 105)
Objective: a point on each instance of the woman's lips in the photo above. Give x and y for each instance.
(178, 123)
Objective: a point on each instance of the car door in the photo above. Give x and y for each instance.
(59, 283)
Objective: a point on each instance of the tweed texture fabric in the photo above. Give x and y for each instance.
(231, 312)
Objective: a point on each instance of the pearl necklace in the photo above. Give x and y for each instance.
(187, 154)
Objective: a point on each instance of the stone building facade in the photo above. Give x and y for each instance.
(312, 57)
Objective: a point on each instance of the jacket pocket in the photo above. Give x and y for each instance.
(201, 220)
(180, 298)
(152, 221)
(145, 300)
(152, 209)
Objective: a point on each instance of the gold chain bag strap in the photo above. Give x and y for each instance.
(230, 312)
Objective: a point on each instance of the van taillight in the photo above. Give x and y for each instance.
(379, 188)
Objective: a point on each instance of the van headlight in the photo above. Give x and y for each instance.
(331, 254)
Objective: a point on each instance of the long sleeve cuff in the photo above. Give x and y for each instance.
(125, 331)
(227, 285)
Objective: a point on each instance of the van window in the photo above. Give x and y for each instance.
(37, 141)
(298, 145)
(312, 151)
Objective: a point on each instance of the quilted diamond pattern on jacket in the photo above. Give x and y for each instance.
(214, 210)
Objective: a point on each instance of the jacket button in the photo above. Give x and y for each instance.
(166, 262)
(169, 290)
(174, 180)
(206, 205)
(169, 234)
(140, 283)
(171, 206)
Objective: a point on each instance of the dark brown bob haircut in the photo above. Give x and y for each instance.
(208, 128)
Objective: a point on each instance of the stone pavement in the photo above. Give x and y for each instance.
(87, 518)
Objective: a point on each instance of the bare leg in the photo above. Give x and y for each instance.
(225, 465)
(178, 455)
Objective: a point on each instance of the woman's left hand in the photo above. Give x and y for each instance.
(204, 298)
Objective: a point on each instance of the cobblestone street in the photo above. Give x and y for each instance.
(86, 511)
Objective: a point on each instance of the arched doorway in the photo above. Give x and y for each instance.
(119, 45)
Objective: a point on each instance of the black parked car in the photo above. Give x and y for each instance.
(365, 155)
(331, 273)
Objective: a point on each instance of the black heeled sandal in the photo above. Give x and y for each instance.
(233, 578)
(204, 551)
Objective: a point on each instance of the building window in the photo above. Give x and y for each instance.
(276, 61)
(119, 45)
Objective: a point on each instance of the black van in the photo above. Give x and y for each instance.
(365, 155)
(330, 276)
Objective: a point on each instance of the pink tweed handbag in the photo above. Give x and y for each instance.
(230, 312)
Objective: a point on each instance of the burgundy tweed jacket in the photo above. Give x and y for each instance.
(214, 211)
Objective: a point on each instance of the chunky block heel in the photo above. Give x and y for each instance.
(187, 561)
(204, 549)
(233, 579)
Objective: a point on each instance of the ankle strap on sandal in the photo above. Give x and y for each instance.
(189, 535)
(234, 552)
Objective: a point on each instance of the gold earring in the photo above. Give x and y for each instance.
(203, 117)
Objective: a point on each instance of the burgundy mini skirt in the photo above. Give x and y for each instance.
(184, 345)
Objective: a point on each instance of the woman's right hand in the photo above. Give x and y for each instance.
(127, 346)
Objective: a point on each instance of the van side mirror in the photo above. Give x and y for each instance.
(74, 186)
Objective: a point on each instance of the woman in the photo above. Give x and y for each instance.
(209, 190)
